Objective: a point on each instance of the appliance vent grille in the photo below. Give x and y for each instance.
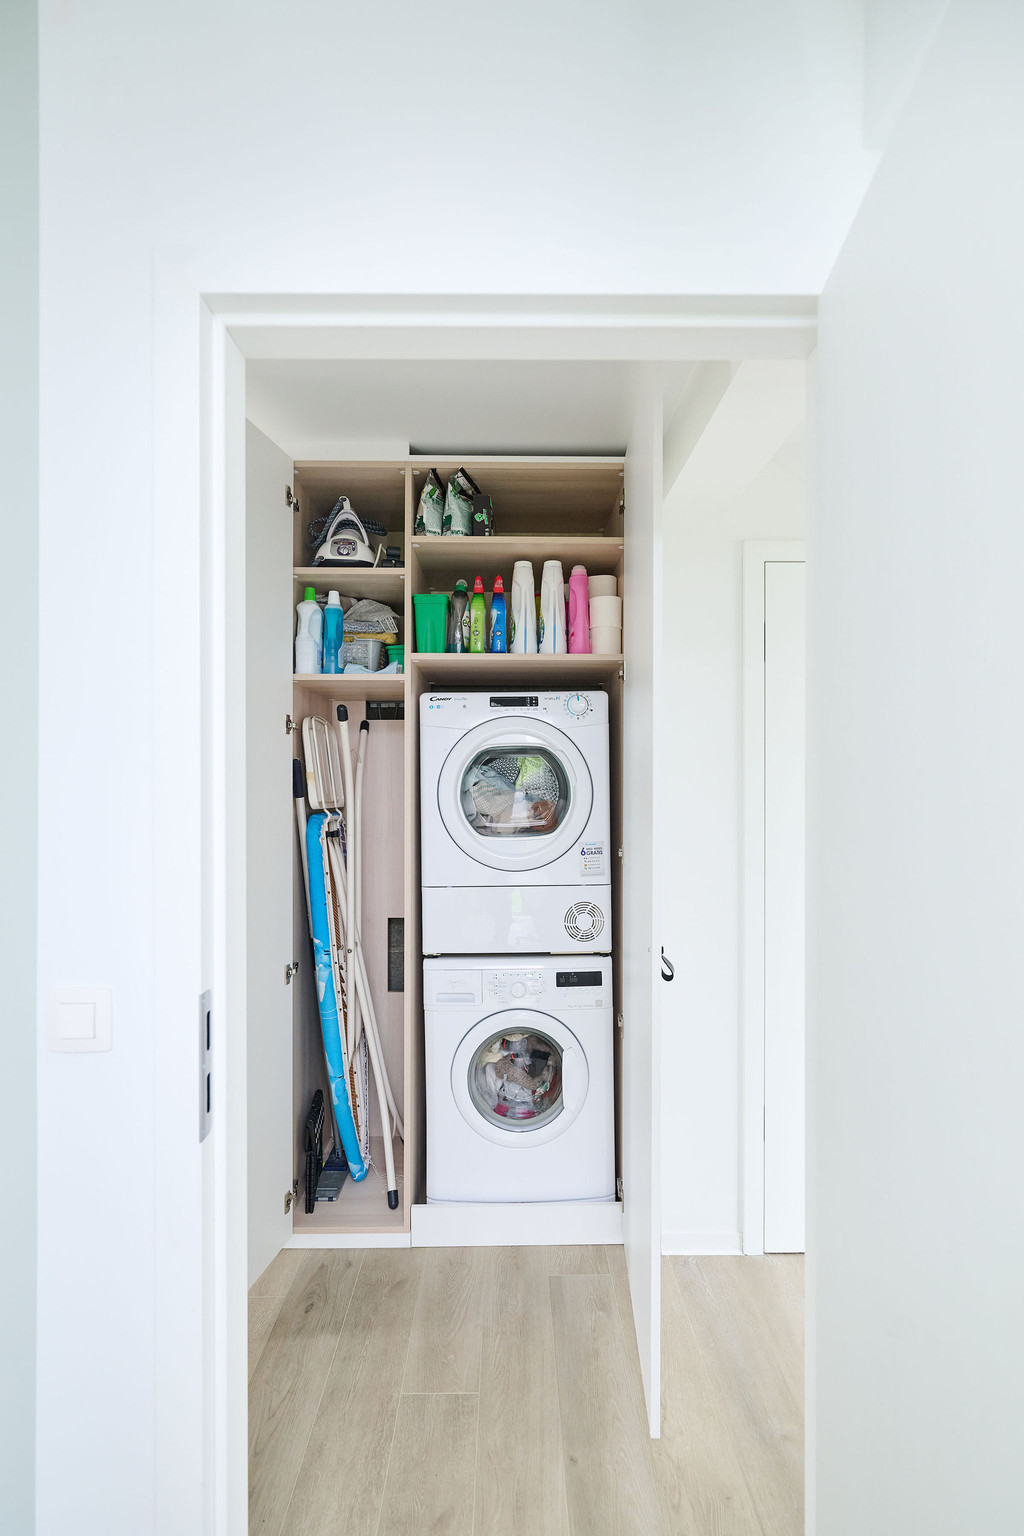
(584, 921)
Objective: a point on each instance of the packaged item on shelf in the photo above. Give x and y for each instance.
(579, 611)
(368, 617)
(478, 618)
(458, 505)
(551, 638)
(457, 639)
(334, 633)
(309, 633)
(522, 623)
(483, 514)
(430, 610)
(430, 507)
(603, 586)
(497, 640)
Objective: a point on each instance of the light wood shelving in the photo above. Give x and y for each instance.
(354, 685)
(384, 584)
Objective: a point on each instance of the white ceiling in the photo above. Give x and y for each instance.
(316, 410)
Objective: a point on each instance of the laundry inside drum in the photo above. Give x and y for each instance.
(515, 1080)
(515, 792)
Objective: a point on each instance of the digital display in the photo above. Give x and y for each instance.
(508, 701)
(578, 978)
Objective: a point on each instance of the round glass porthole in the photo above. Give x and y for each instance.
(515, 1080)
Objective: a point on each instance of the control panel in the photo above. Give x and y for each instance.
(549, 987)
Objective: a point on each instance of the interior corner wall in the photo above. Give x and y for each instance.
(916, 837)
(19, 627)
(702, 926)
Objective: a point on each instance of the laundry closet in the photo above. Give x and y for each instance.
(595, 511)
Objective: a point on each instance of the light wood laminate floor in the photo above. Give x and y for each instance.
(496, 1392)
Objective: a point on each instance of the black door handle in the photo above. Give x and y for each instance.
(668, 970)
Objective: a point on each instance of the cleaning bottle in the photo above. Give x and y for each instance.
(458, 620)
(579, 611)
(522, 628)
(497, 641)
(551, 639)
(334, 633)
(478, 618)
(309, 653)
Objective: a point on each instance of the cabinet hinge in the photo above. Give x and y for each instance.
(291, 500)
(620, 1021)
(290, 970)
(289, 725)
(289, 1198)
(619, 1194)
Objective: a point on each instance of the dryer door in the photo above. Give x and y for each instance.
(515, 794)
(520, 1078)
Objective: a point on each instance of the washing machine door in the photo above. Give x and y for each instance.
(520, 1078)
(515, 794)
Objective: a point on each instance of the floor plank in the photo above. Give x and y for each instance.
(286, 1384)
(429, 1487)
(341, 1480)
(263, 1312)
(277, 1278)
(447, 1329)
(520, 1476)
(583, 1259)
(607, 1449)
(764, 1421)
(697, 1461)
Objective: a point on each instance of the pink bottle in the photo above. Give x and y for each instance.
(579, 611)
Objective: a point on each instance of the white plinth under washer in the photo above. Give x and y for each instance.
(515, 839)
(519, 1077)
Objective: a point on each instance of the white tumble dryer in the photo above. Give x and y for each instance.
(519, 1074)
(515, 845)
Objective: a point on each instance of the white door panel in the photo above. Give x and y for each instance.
(269, 612)
(784, 907)
(641, 1115)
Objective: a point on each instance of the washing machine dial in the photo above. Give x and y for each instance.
(517, 989)
(577, 704)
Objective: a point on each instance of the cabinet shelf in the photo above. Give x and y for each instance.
(385, 584)
(516, 671)
(353, 685)
(490, 557)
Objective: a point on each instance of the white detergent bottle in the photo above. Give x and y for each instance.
(552, 610)
(309, 635)
(523, 618)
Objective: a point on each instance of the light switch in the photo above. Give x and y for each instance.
(80, 1019)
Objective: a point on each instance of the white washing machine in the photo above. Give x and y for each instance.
(519, 1078)
(515, 842)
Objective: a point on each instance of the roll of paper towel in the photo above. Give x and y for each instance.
(605, 611)
(603, 586)
(606, 640)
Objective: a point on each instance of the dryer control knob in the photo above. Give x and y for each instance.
(577, 704)
(518, 989)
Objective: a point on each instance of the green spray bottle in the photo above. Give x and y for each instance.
(478, 618)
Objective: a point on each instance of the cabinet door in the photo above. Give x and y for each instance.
(643, 830)
(269, 608)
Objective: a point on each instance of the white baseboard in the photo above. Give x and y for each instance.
(350, 1240)
(496, 1226)
(702, 1243)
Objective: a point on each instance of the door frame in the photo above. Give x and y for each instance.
(203, 338)
(757, 553)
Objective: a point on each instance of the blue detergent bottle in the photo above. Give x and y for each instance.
(498, 638)
(334, 633)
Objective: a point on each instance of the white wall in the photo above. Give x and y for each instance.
(314, 148)
(916, 646)
(19, 628)
(702, 735)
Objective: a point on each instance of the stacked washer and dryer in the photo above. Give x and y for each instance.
(517, 932)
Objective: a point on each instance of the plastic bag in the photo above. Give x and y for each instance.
(431, 507)
(458, 504)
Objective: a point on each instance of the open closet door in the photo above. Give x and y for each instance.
(641, 831)
(269, 608)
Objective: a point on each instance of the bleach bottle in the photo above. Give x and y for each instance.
(498, 642)
(334, 634)
(309, 650)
